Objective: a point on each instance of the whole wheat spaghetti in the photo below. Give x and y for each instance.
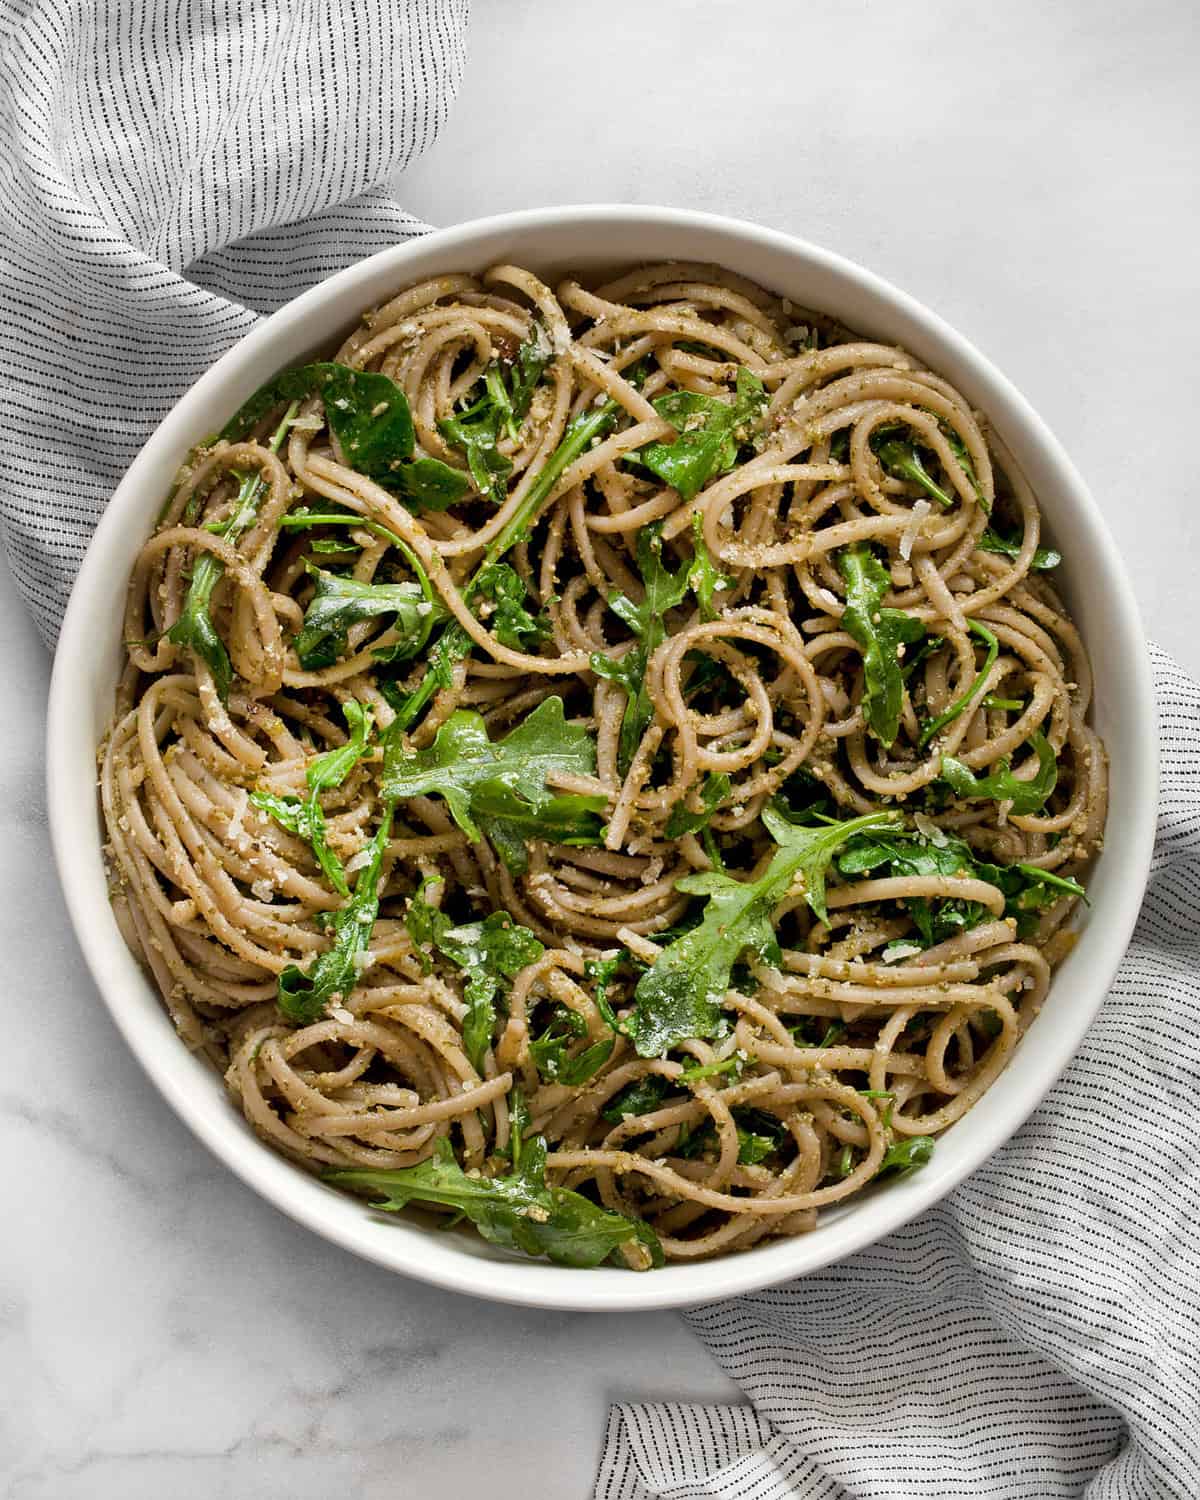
(612, 763)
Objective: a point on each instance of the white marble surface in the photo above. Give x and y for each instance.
(1027, 170)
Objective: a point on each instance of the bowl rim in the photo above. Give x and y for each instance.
(441, 1261)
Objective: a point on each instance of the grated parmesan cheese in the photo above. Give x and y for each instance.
(913, 530)
(928, 829)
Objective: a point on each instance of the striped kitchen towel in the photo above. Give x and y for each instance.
(1037, 1334)
(170, 171)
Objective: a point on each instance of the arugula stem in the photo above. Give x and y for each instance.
(579, 434)
(973, 692)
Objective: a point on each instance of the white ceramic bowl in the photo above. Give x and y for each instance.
(553, 241)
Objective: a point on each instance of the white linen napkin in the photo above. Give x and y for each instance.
(170, 171)
(1037, 1333)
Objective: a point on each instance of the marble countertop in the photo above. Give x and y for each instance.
(1028, 173)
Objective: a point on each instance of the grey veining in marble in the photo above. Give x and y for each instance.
(1027, 170)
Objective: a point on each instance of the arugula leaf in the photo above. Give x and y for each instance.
(708, 429)
(323, 772)
(663, 591)
(304, 995)
(583, 428)
(519, 1212)
(549, 1051)
(705, 578)
(641, 1097)
(906, 1156)
(602, 972)
(902, 459)
(369, 415)
(1001, 785)
(427, 484)
(499, 786)
(489, 953)
(511, 623)
(525, 374)
(936, 725)
(733, 1064)
(880, 632)
(194, 628)
(1026, 888)
(759, 1134)
(680, 996)
(713, 792)
(476, 431)
(425, 923)
(339, 602)
(1044, 558)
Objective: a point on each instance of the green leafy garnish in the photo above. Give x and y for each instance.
(902, 459)
(322, 773)
(708, 429)
(641, 1097)
(490, 953)
(664, 589)
(733, 1064)
(499, 787)
(906, 1155)
(511, 622)
(1001, 785)
(681, 995)
(880, 632)
(194, 628)
(304, 995)
(550, 1050)
(500, 406)
(1044, 558)
(1026, 888)
(369, 415)
(936, 725)
(339, 602)
(519, 1212)
(704, 576)
(712, 792)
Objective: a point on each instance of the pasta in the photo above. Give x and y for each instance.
(610, 762)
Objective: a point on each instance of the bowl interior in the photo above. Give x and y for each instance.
(588, 241)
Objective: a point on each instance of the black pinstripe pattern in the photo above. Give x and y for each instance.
(1037, 1334)
(170, 170)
